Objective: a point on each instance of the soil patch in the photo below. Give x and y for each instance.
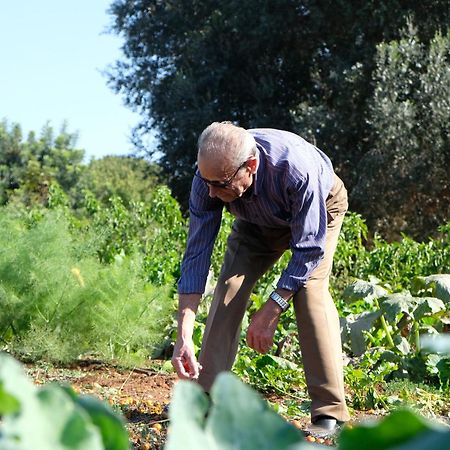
(142, 395)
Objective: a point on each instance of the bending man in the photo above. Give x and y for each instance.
(285, 195)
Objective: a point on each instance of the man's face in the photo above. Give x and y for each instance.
(225, 181)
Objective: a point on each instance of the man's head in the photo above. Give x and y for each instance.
(227, 160)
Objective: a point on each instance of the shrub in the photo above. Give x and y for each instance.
(58, 302)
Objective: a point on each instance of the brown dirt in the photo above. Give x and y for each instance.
(101, 380)
(140, 394)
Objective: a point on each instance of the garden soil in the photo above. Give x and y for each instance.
(142, 395)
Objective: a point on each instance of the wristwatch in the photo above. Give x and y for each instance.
(279, 300)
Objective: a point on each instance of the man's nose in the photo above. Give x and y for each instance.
(212, 191)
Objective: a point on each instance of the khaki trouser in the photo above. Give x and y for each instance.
(251, 251)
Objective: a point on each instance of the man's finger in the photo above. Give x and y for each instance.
(193, 366)
(266, 343)
(180, 369)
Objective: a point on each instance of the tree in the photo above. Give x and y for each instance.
(305, 66)
(404, 182)
(27, 167)
(132, 179)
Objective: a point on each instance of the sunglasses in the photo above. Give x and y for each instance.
(221, 184)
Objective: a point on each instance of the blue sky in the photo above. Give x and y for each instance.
(52, 55)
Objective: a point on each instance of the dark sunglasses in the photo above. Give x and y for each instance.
(221, 184)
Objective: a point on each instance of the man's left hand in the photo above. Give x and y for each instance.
(262, 327)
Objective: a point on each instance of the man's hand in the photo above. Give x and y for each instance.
(184, 360)
(262, 327)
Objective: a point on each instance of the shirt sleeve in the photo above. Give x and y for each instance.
(205, 216)
(308, 229)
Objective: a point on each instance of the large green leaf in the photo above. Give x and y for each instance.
(364, 290)
(49, 419)
(439, 283)
(52, 417)
(111, 426)
(394, 304)
(428, 306)
(250, 422)
(187, 414)
(238, 419)
(400, 427)
(355, 325)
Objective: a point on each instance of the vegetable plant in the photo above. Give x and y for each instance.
(53, 417)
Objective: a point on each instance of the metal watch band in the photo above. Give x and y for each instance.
(279, 300)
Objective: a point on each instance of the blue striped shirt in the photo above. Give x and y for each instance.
(289, 189)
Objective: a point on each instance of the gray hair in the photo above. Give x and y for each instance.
(226, 141)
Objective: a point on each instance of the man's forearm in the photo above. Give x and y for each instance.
(187, 309)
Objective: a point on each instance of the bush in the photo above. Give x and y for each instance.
(58, 302)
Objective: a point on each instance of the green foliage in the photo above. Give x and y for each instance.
(409, 116)
(401, 430)
(156, 230)
(27, 168)
(131, 179)
(396, 262)
(402, 316)
(54, 417)
(269, 373)
(186, 64)
(385, 338)
(166, 241)
(58, 301)
(366, 377)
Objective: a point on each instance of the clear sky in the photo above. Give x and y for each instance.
(51, 59)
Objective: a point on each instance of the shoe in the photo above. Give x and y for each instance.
(323, 427)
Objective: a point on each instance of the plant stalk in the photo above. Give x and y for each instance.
(416, 336)
(386, 330)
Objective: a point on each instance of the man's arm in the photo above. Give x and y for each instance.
(184, 360)
(204, 223)
(205, 216)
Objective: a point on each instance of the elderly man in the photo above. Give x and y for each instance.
(285, 195)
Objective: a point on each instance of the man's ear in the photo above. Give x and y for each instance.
(252, 164)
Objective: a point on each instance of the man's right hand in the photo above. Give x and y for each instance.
(184, 361)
